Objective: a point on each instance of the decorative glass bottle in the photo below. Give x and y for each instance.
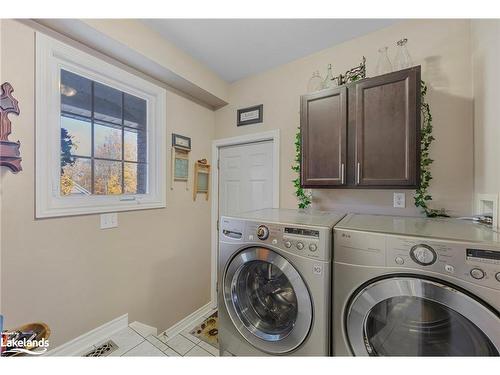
(383, 64)
(329, 79)
(402, 59)
(315, 82)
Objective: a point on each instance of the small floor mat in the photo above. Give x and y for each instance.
(208, 330)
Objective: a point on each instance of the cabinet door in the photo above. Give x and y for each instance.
(323, 132)
(388, 130)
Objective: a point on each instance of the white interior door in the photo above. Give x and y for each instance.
(246, 177)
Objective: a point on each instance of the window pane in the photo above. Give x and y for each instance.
(107, 177)
(124, 147)
(130, 145)
(107, 104)
(134, 178)
(75, 94)
(75, 137)
(135, 145)
(107, 142)
(76, 177)
(134, 111)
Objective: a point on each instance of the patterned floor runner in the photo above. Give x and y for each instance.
(208, 330)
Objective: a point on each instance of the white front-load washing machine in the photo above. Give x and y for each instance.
(274, 282)
(415, 287)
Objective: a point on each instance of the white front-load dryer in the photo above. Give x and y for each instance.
(415, 287)
(274, 283)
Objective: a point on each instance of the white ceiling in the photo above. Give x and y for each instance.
(238, 48)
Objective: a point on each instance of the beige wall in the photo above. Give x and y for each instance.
(443, 50)
(74, 276)
(486, 77)
(148, 42)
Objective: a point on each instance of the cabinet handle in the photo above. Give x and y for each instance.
(358, 173)
(342, 173)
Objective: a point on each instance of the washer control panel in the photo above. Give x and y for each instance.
(262, 232)
(305, 241)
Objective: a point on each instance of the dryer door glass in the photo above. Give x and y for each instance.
(409, 316)
(267, 300)
(410, 326)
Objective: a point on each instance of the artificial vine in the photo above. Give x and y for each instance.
(303, 197)
(422, 196)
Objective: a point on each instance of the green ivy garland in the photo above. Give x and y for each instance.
(422, 196)
(303, 198)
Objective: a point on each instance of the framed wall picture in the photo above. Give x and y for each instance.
(250, 115)
(180, 141)
(181, 146)
(181, 165)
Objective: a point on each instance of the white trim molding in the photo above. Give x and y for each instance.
(52, 56)
(272, 135)
(188, 321)
(81, 343)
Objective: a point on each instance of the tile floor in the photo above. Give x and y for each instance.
(132, 343)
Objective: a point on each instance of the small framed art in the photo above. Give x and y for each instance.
(180, 141)
(250, 115)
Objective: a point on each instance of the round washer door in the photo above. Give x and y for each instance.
(410, 316)
(267, 300)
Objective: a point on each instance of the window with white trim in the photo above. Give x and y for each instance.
(100, 135)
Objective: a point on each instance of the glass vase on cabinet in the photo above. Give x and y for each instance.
(383, 64)
(329, 81)
(315, 82)
(402, 59)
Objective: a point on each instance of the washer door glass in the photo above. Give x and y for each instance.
(407, 316)
(267, 300)
(412, 326)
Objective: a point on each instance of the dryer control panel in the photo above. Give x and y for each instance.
(470, 262)
(474, 263)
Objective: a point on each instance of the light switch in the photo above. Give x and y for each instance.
(399, 200)
(109, 220)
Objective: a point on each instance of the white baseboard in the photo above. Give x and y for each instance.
(143, 329)
(188, 321)
(79, 344)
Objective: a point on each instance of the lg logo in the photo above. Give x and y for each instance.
(317, 269)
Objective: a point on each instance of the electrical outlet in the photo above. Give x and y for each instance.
(109, 220)
(399, 200)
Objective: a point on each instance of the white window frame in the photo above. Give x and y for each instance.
(52, 56)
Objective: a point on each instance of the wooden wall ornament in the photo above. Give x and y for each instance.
(201, 183)
(9, 151)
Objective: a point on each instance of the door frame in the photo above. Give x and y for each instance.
(272, 135)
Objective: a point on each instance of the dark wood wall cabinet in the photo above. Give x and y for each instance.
(363, 135)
